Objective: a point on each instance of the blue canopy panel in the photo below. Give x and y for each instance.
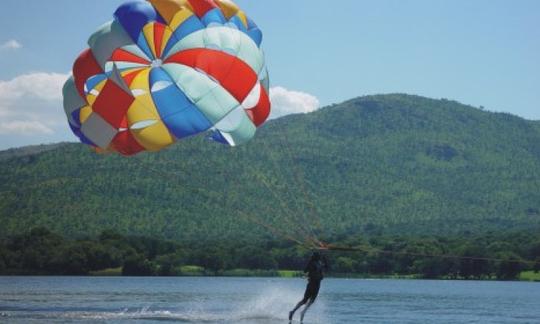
(214, 17)
(93, 81)
(237, 22)
(254, 32)
(179, 114)
(76, 117)
(216, 136)
(134, 15)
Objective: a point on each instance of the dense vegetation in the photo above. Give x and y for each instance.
(390, 164)
(41, 252)
(27, 150)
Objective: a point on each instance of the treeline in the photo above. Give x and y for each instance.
(490, 256)
(41, 252)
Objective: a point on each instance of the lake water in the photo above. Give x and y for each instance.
(262, 300)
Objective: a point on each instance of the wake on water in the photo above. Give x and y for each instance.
(271, 306)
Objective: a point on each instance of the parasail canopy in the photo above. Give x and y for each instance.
(164, 70)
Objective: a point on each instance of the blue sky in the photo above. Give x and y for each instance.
(482, 52)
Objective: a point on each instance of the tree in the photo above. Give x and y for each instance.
(344, 265)
(250, 257)
(69, 260)
(432, 268)
(3, 256)
(380, 264)
(471, 264)
(213, 260)
(169, 264)
(100, 257)
(510, 268)
(139, 266)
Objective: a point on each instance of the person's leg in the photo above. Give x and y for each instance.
(300, 303)
(313, 296)
(303, 313)
(307, 297)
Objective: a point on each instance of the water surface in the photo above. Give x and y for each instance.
(263, 300)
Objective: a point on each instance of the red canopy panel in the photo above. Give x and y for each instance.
(259, 114)
(125, 143)
(201, 7)
(121, 55)
(112, 104)
(85, 67)
(231, 72)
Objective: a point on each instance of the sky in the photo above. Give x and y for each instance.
(482, 52)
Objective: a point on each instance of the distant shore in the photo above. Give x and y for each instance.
(195, 271)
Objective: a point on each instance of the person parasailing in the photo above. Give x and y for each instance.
(314, 270)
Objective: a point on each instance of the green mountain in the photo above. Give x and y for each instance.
(388, 163)
(27, 150)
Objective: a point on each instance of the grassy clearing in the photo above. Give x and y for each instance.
(249, 273)
(112, 272)
(289, 273)
(529, 276)
(191, 270)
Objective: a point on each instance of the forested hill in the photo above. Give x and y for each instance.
(388, 163)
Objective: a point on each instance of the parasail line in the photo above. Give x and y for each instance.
(301, 182)
(201, 191)
(304, 230)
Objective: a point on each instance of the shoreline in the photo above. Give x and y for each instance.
(526, 276)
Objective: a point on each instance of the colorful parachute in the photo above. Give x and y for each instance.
(164, 70)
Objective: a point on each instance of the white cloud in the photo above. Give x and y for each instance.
(286, 102)
(45, 86)
(24, 128)
(11, 45)
(31, 104)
